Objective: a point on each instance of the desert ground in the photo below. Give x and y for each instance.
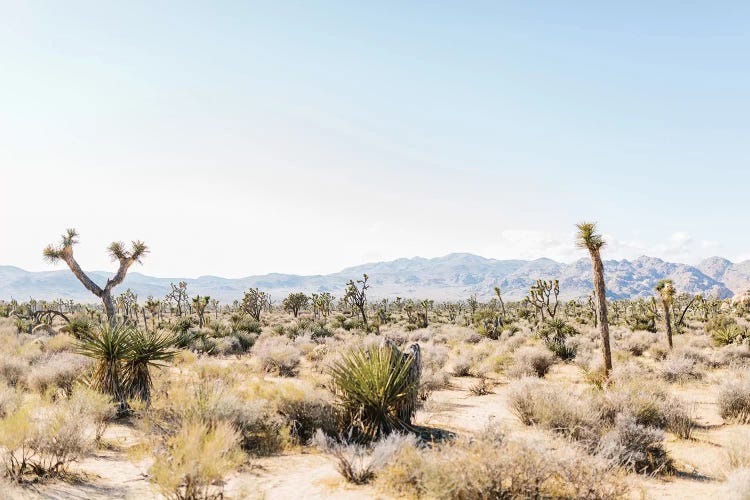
(509, 405)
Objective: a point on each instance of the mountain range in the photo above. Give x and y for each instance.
(452, 277)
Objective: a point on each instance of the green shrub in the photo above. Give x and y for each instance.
(375, 390)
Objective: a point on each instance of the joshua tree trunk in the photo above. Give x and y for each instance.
(601, 309)
(668, 322)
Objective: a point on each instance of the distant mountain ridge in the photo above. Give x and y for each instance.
(452, 277)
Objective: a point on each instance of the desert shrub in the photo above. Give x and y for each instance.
(635, 447)
(638, 342)
(642, 322)
(493, 466)
(60, 371)
(432, 380)
(246, 340)
(731, 334)
(277, 355)
(679, 368)
(43, 441)
(561, 348)
(212, 402)
(375, 390)
(182, 325)
(226, 346)
(359, 464)
(737, 485)
(659, 351)
(719, 321)
(732, 355)
(679, 418)
(246, 324)
(79, 325)
(59, 343)
(531, 361)
(307, 412)
(10, 399)
(481, 387)
(194, 462)
(98, 407)
(734, 401)
(13, 370)
(537, 403)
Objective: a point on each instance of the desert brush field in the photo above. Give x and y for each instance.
(324, 397)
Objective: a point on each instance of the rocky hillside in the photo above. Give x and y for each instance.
(453, 277)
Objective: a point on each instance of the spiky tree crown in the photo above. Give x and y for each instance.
(54, 253)
(588, 238)
(666, 290)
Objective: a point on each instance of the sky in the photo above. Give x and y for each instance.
(240, 138)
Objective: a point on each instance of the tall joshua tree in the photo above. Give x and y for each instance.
(126, 258)
(592, 241)
(666, 291)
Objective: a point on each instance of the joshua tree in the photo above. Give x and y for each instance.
(540, 296)
(322, 303)
(116, 250)
(357, 295)
(592, 241)
(294, 302)
(178, 295)
(199, 305)
(502, 304)
(253, 303)
(666, 291)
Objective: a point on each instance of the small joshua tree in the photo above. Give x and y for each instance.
(253, 303)
(356, 294)
(666, 291)
(199, 306)
(126, 258)
(541, 295)
(178, 295)
(294, 302)
(592, 241)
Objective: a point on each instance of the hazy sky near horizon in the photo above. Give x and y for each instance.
(240, 138)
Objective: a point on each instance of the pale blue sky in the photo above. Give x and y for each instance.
(248, 137)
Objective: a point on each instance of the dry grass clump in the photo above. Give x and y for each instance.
(59, 371)
(638, 342)
(538, 403)
(43, 440)
(213, 402)
(359, 464)
(679, 368)
(734, 401)
(635, 447)
(493, 466)
(650, 406)
(59, 343)
(531, 361)
(277, 355)
(10, 399)
(13, 369)
(99, 408)
(193, 463)
(307, 410)
(601, 423)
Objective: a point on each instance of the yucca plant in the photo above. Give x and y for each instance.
(373, 386)
(146, 350)
(109, 346)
